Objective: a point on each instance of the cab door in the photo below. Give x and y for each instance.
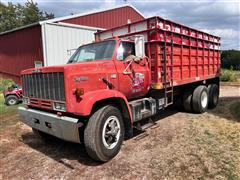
(133, 76)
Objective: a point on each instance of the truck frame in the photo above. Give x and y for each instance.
(129, 74)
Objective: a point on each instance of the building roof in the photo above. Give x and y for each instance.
(73, 16)
(19, 28)
(91, 12)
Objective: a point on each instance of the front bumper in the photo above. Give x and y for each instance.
(63, 127)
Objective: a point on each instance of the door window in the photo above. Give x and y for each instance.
(125, 49)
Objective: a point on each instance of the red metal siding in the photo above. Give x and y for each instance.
(16, 79)
(19, 50)
(108, 19)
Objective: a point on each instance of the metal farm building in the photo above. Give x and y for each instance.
(51, 42)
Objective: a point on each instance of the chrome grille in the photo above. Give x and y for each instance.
(44, 86)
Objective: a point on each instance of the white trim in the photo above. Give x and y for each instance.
(44, 44)
(76, 26)
(88, 13)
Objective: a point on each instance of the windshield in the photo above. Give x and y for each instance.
(91, 52)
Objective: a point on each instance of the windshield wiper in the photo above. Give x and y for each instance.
(88, 59)
(70, 61)
(84, 60)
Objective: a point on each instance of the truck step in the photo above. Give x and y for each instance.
(169, 103)
(163, 73)
(146, 113)
(149, 124)
(141, 136)
(162, 61)
(167, 82)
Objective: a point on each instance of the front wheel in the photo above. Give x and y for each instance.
(104, 133)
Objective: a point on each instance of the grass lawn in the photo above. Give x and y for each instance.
(7, 113)
(4, 109)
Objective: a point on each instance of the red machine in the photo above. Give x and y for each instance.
(132, 73)
(13, 95)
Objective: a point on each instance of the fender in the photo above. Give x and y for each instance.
(84, 107)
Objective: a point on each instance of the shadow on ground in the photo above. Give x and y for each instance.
(223, 109)
(59, 149)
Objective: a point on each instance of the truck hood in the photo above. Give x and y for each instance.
(43, 69)
(87, 66)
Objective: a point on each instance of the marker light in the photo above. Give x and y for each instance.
(79, 92)
(59, 106)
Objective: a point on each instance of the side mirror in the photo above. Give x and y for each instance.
(140, 46)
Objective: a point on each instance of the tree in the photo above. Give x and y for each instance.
(16, 15)
(230, 59)
(8, 17)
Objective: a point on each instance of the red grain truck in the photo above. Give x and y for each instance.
(131, 73)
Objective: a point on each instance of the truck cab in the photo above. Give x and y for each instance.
(116, 65)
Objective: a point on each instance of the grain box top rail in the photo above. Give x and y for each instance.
(159, 24)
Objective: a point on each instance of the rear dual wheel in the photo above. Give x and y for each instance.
(199, 99)
(187, 100)
(213, 93)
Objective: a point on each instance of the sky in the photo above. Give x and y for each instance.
(217, 17)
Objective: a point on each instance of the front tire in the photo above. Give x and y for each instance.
(104, 133)
(200, 99)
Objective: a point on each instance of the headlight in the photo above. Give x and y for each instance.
(58, 106)
(26, 100)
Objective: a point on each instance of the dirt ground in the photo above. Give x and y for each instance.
(180, 146)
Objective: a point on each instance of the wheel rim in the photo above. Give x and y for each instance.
(12, 101)
(111, 132)
(204, 99)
